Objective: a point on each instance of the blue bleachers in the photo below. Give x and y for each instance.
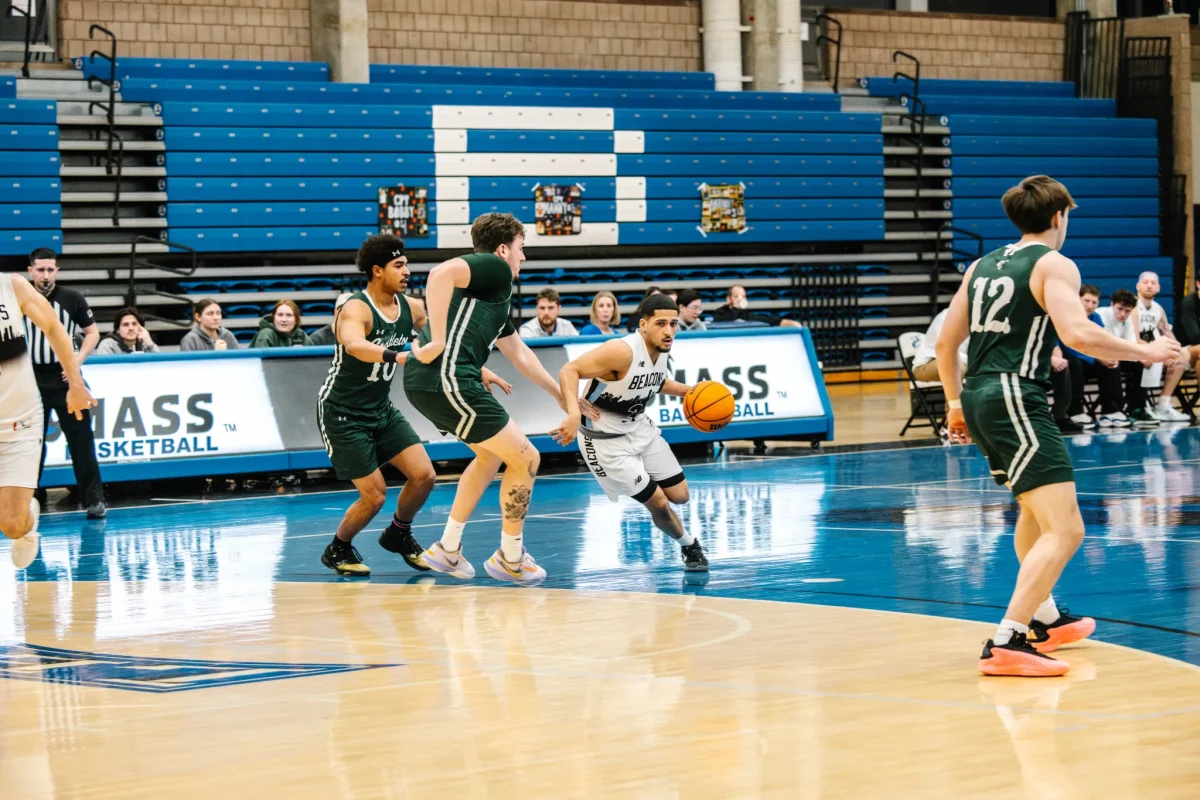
(888, 87)
(8, 87)
(749, 165)
(1003, 125)
(308, 113)
(29, 216)
(636, 119)
(32, 190)
(41, 163)
(994, 188)
(28, 112)
(1081, 228)
(1072, 146)
(204, 69)
(28, 137)
(291, 164)
(968, 208)
(496, 76)
(1062, 168)
(296, 140)
(949, 104)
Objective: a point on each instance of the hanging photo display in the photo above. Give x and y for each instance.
(403, 210)
(558, 209)
(723, 208)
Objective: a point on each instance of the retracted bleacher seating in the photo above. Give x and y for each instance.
(30, 191)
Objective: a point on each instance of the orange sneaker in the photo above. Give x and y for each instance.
(1067, 629)
(1019, 659)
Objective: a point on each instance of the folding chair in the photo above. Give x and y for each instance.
(925, 397)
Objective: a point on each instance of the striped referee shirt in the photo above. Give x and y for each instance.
(73, 312)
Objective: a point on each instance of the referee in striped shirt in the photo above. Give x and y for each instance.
(76, 316)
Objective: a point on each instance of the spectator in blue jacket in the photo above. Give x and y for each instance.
(1106, 373)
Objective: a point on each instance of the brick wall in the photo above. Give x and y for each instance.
(951, 45)
(250, 29)
(571, 34)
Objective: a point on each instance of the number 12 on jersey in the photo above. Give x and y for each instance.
(1004, 287)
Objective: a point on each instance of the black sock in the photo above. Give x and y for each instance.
(337, 543)
(403, 526)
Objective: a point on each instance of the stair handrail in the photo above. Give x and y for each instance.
(131, 293)
(916, 78)
(935, 277)
(28, 14)
(837, 44)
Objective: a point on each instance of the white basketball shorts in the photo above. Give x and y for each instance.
(20, 453)
(632, 464)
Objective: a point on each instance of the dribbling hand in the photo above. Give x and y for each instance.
(567, 430)
(79, 399)
(956, 427)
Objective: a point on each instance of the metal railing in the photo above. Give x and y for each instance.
(109, 107)
(132, 292)
(30, 11)
(935, 275)
(1092, 54)
(836, 44)
(915, 77)
(916, 124)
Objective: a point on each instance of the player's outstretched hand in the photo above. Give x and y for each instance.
(428, 352)
(1162, 350)
(567, 430)
(956, 427)
(79, 399)
(491, 379)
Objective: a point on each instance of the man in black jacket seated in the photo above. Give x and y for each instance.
(1187, 324)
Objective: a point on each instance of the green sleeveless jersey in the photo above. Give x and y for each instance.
(361, 386)
(1010, 332)
(478, 316)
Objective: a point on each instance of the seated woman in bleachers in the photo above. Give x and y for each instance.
(281, 328)
(207, 334)
(129, 335)
(605, 316)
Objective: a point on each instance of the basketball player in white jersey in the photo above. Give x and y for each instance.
(623, 448)
(21, 409)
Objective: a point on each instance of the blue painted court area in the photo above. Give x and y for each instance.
(921, 530)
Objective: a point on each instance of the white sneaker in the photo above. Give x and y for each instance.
(1117, 419)
(25, 549)
(525, 572)
(1084, 420)
(1167, 413)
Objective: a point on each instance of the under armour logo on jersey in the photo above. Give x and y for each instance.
(1001, 263)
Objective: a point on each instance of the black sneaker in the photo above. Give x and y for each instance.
(1068, 425)
(694, 559)
(405, 545)
(1140, 416)
(1067, 629)
(344, 559)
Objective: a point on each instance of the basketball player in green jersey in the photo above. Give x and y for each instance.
(469, 299)
(360, 427)
(1015, 303)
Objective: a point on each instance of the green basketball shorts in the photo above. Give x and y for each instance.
(1009, 420)
(358, 443)
(469, 412)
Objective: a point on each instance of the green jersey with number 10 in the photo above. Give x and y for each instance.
(1010, 332)
(354, 385)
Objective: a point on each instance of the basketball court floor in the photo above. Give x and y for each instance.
(193, 649)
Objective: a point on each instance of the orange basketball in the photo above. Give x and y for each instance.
(709, 406)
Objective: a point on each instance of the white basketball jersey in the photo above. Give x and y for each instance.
(20, 402)
(622, 404)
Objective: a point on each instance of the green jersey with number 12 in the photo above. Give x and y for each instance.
(1010, 332)
(354, 385)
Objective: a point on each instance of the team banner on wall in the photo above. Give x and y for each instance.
(558, 209)
(723, 208)
(770, 377)
(176, 409)
(403, 211)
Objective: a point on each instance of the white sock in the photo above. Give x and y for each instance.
(511, 548)
(452, 536)
(687, 539)
(1006, 630)
(1047, 613)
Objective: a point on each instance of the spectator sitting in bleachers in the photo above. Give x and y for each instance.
(281, 328)
(634, 318)
(736, 309)
(690, 309)
(128, 335)
(547, 321)
(1118, 320)
(1187, 327)
(924, 365)
(325, 335)
(1150, 322)
(207, 333)
(605, 316)
(673, 294)
(1107, 375)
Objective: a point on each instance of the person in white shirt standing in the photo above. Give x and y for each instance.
(21, 424)
(1150, 322)
(1118, 321)
(547, 323)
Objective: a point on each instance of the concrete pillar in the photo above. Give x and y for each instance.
(790, 45)
(762, 50)
(722, 43)
(339, 37)
(1097, 9)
